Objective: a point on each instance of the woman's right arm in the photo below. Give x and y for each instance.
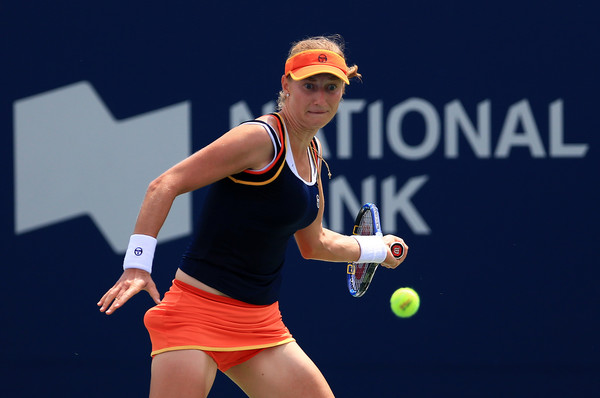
(244, 147)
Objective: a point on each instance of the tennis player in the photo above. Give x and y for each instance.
(222, 313)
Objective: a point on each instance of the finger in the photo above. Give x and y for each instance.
(153, 292)
(115, 305)
(110, 298)
(118, 301)
(107, 299)
(133, 288)
(128, 286)
(155, 296)
(396, 258)
(111, 303)
(123, 296)
(391, 263)
(404, 252)
(104, 297)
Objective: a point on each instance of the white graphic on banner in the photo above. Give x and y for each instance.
(519, 129)
(72, 158)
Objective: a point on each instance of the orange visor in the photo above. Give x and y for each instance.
(312, 62)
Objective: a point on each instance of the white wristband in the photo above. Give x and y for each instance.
(372, 249)
(140, 252)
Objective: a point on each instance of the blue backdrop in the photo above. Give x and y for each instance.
(475, 129)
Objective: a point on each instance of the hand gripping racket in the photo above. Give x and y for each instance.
(360, 275)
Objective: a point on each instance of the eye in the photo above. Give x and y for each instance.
(308, 86)
(332, 87)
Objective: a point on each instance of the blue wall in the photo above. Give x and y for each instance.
(488, 167)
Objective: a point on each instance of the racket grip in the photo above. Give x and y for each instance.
(397, 249)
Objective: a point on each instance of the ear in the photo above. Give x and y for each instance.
(285, 84)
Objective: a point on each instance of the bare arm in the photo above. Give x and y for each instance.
(318, 243)
(244, 147)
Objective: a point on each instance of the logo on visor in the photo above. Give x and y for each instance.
(322, 58)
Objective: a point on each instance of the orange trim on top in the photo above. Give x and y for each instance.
(276, 162)
(256, 183)
(279, 132)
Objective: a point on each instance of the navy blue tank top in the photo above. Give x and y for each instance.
(246, 222)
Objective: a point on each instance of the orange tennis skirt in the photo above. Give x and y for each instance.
(228, 330)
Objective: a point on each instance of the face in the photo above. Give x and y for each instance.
(313, 101)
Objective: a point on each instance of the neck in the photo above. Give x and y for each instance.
(300, 136)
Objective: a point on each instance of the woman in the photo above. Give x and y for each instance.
(222, 312)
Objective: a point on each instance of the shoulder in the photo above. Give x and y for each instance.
(266, 125)
(265, 171)
(254, 134)
(273, 120)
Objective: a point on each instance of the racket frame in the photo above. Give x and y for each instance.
(396, 247)
(358, 291)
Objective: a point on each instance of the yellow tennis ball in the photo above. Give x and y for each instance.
(405, 302)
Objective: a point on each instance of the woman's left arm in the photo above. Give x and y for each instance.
(318, 243)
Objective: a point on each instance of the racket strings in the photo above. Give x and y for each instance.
(360, 275)
(365, 227)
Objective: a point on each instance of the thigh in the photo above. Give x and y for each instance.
(182, 374)
(282, 371)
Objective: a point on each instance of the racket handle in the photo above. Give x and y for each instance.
(397, 249)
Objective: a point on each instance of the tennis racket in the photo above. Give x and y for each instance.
(360, 275)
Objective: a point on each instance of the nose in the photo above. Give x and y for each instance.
(319, 97)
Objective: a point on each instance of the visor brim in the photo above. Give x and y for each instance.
(311, 70)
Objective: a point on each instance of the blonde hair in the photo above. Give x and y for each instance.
(333, 43)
